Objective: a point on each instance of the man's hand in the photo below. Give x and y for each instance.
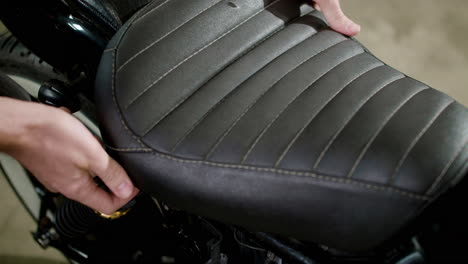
(336, 18)
(62, 154)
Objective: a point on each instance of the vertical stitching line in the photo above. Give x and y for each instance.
(107, 50)
(366, 147)
(114, 97)
(446, 168)
(195, 53)
(261, 96)
(415, 141)
(286, 150)
(259, 137)
(335, 136)
(150, 11)
(223, 99)
(164, 36)
(115, 100)
(189, 95)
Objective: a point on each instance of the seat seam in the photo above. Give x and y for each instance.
(445, 169)
(290, 144)
(195, 53)
(188, 96)
(327, 147)
(114, 97)
(230, 92)
(316, 176)
(115, 101)
(416, 140)
(133, 150)
(150, 11)
(164, 36)
(263, 132)
(371, 140)
(213, 148)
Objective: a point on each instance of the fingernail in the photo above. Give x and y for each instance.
(124, 190)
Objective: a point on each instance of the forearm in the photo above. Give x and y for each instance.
(62, 154)
(16, 118)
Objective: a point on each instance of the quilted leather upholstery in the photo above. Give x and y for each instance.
(255, 113)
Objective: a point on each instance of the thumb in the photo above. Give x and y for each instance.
(338, 21)
(115, 178)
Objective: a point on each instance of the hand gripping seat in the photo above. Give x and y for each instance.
(254, 113)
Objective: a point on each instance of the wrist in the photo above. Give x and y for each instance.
(17, 121)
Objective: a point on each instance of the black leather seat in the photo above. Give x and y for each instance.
(254, 113)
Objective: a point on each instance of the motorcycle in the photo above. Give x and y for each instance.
(256, 133)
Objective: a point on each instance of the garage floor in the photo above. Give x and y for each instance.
(425, 39)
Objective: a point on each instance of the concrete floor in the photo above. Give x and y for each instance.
(16, 243)
(425, 39)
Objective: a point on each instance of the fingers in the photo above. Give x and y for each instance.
(108, 170)
(336, 18)
(114, 176)
(89, 194)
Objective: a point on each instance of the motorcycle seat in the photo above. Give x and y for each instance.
(255, 113)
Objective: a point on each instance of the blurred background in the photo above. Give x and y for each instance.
(426, 39)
